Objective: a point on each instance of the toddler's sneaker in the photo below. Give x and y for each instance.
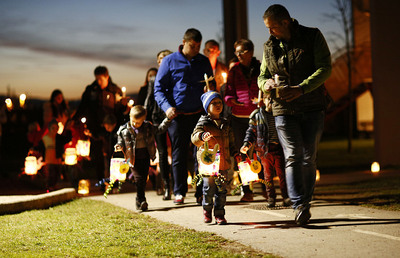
(144, 206)
(179, 199)
(220, 220)
(207, 216)
(271, 203)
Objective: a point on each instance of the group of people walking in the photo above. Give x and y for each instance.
(274, 108)
(284, 131)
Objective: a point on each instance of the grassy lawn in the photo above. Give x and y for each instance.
(88, 228)
(333, 157)
(382, 193)
(333, 154)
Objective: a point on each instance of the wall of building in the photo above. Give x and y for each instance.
(385, 38)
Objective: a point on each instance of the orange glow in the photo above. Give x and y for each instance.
(224, 75)
(375, 168)
(22, 99)
(9, 104)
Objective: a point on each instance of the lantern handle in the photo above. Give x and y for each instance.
(118, 151)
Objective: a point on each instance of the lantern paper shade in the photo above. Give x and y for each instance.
(31, 165)
(115, 169)
(70, 156)
(83, 148)
(246, 174)
(375, 168)
(211, 169)
(83, 186)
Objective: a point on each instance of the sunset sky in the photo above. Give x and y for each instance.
(49, 44)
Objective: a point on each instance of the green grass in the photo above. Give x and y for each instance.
(88, 228)
(333, 154)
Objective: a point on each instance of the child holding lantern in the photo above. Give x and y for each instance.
(136, 139)
(262, 131)
(213, 129)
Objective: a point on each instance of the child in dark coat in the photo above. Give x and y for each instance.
(136, 139)
(262, 133)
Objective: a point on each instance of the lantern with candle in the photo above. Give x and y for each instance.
(118, 169)
(70, 156)
(246, 173)
(83, 148)
(31, 166)
(209, 161)
(83, 187)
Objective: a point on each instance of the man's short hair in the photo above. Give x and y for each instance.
(213, 43)
(138, 111)
(101, 70)
(247, 44)
(277, 12)
(193, 34)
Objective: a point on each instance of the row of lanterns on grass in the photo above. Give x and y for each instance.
(32, 164)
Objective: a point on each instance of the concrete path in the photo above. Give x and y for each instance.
(335, 229)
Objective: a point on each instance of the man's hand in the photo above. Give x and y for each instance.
(206, 136)
(290, 93)
(269, 85)
(244, 149)
(171, 113)
(117, 148)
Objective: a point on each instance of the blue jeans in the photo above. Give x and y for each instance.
(210, 190)
(299, 136)
(180, 133)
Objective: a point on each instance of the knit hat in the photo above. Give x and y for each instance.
(207, 97)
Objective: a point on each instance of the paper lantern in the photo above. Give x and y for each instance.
(246, 174)
(118, 169)
(70, 156)
(83, 186)
(83, 148)
(31, 166)
(211, 169)
(375, 168)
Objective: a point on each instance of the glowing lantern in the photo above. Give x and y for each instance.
(317, 175)
(211, 169)
(83, 148)
(60, 128)
(70, 156)
(224, 75)
(123, 89)
(9, 104)
(118, 169)
(22, 99)
(83, 186)
(130, 103)
(83, 120)
(375, 168)
(31, 166)
(246, 174)
(189, 179)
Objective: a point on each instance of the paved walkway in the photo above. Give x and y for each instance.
(335, 230)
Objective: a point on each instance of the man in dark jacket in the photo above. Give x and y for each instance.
(298, 58)
(99, 99)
